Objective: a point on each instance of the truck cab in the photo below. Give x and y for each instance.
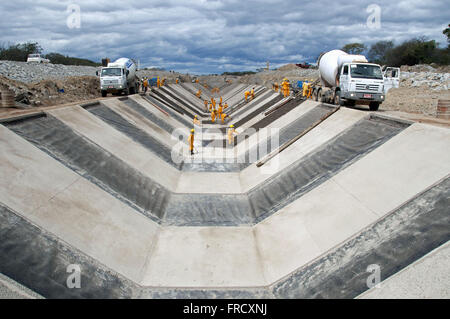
(113, 79)
(360, 83)
(119, 77)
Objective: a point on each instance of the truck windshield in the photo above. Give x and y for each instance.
(366, 71)
(112, 72)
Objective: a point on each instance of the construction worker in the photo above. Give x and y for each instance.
(220, 111)
(306, 89)
(276, 86)
(145, 85)
(225, 106)
(213, 101)
(199, 93)
(191, 141)
(252, 93)
(163, 82)
(286, 87)
(247, 94)
(231, 134)
(177, 81)
(197, 121)
(158, 82)
(221, 101)
(213, 116)
(223, 117)
(206, 105)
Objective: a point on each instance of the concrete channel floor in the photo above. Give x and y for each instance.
(287, 236)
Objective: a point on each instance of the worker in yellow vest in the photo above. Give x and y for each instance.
(177, 81)
(197, 121)
(213, 116)
(247, 94)
(163, 82)
(191, 142)
(158, 83)
(223, 117)
(145, 84)
(199, 93)
(220, 111)
(221, 101)
(231, 134)
(252, 93)
(225, 106)
(286, 87)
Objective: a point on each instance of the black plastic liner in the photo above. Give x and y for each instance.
(208, 210)
(170, 111)
(39, 260)
(95, 164)
(398, 240)
(322, 164)
(158, 203)
(149, 115)
(187, 112)
(119, 123)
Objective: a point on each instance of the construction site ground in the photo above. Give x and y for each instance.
(302, 202)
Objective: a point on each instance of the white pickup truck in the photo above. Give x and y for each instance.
(37, 58)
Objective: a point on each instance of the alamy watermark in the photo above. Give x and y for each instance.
(374, 280)
(74, 19)
(74, 279)
(374, 19)
(225, 147)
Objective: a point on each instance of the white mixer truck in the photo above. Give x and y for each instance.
(119, 77)
(347, 79)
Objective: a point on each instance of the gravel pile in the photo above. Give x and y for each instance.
(267, 78)
(434, 81)
(35, 72)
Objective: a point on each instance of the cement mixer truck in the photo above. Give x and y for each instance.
(347, 79)
(119, 77)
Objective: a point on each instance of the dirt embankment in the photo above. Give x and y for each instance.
(53, 92)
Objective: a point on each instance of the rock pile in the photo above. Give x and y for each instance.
(35, 72)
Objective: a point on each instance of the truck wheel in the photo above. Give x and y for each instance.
(104, 93)
(374, 106)
(314, 95)
(132, 90)
(337, 100)
(319, 96)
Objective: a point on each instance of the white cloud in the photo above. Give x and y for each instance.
(215, 36)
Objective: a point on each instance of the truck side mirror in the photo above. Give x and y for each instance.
(128, 72)
(96, 72)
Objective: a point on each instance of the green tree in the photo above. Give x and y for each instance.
(57, 58)
(378, 51)
(446, 32)
(354, 48)
(19, 52)
(415, 51)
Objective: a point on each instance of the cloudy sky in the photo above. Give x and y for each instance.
(203, 36)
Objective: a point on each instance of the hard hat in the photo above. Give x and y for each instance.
(195, 116)
(192, 131)
(231, 125)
